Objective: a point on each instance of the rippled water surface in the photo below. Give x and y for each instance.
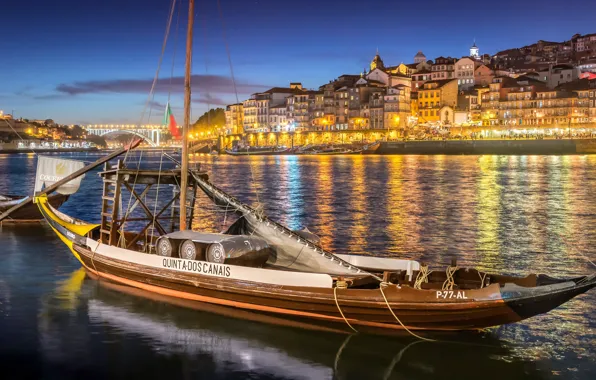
(515, 214)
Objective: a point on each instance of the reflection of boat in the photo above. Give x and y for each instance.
(29, 212)
(149, 330)
(257, 151)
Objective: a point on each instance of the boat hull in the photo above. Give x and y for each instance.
(29, 212)
(258, 152)
(363, 308)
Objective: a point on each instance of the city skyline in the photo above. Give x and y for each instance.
(95, 64)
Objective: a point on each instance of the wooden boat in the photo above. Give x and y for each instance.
(365, 292)
(262, 266)
(335, 151)
(267, 151)
(30, 212)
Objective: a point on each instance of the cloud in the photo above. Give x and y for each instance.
(211, 100)
(156, 104)
(203, 83)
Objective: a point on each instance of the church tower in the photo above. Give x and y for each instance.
(419, 57)
(377, 62)
(474, 51)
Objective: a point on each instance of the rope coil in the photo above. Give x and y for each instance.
(422, 277)
(450, 281)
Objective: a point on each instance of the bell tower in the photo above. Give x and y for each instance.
(474, 51)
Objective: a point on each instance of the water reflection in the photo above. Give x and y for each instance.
(123, 322)
(504, 214)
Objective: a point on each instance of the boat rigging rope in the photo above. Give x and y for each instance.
(385, 284)
(150, 98)
(482, 278)
(450, 281)
(223, 29)
(572, 245)
(422, 277)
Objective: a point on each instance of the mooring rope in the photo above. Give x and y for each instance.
(385, 284)
(338, 354)
(339, 308)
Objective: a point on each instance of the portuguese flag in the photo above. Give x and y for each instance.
(170, 121)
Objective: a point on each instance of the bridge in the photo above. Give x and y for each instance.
(152, 134)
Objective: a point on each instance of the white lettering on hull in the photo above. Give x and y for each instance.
(203, 268)
(450, 294)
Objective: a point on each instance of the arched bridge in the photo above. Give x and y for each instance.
(151, 133)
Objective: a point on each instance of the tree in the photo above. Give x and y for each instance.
(210, 122)
(77, 131)
(97, 140)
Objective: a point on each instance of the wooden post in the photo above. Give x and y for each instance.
(186, 126)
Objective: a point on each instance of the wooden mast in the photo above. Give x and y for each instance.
(186, 126)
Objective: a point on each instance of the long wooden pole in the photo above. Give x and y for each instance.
(72, 176)
(186, 126)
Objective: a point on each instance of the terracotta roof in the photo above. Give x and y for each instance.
(283, 90)
(423, 71)
(578, 85)
(440, 83)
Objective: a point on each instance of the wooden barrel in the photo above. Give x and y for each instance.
(239, 250)
(216, 253)
(166, 247)
(188, 250)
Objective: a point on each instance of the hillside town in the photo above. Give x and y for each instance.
(544, 90)
(26, 134)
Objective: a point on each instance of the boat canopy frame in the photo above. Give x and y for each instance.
(138, 182)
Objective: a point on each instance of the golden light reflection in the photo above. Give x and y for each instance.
(488, 211)
(358, 203)
(402, 230)
(324, 188)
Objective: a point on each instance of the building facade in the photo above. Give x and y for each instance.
(235, 119)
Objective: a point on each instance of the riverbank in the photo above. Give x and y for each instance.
(506, 147)
(47, 150)
(473, 147)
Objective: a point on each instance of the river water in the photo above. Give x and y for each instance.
(511, 214)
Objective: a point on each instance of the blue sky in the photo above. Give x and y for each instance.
(93, 61)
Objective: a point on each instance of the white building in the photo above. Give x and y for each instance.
(558, 74)
(397, 106)
(277, 118)
(256, 109)
(464, 72)
(234, 116)
(474, 51)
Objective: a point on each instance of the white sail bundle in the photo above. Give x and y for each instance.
(51, 170)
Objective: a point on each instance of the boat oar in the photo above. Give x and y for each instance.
(72, 176)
